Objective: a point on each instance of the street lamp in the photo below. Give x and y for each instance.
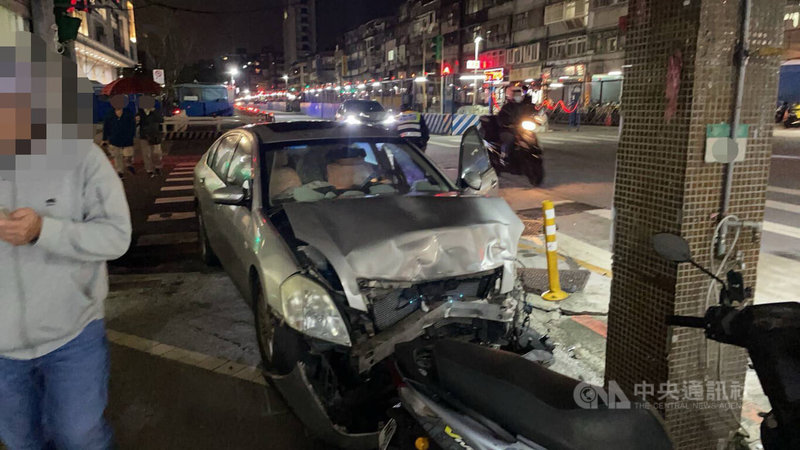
(286, 81)
(233, 71)
(478, 40)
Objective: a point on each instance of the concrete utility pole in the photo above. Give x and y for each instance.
(663, 184)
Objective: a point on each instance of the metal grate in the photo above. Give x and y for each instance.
(535, 280)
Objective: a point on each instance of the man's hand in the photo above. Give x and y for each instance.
(21, 228)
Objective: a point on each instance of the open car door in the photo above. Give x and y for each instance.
(475, 172)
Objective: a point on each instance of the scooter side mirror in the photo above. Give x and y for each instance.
(672, 247)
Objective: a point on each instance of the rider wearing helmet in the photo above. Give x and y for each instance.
(510, 116)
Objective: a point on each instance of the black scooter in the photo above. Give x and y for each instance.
(771, 335)
(526, 155)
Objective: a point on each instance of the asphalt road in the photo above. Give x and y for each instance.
(184, 357)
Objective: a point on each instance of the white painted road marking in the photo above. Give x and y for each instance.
(164, 200)
(781, 190)
(783, 206)
(187, 187)
(196, 359)
(171, 216)
(148, 240)
(174, 180)
(785, 230)
(786, 157)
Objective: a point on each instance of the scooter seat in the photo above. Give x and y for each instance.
(529, 400)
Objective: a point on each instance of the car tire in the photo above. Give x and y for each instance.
(265, 326)
(207, 254)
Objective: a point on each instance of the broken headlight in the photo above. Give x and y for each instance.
(309, 309)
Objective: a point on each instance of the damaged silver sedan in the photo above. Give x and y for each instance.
(348, 241)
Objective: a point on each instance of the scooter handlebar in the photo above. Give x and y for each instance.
(687, 321)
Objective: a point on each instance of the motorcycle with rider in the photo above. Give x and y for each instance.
(510, 137)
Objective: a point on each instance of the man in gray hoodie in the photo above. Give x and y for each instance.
(63, 213)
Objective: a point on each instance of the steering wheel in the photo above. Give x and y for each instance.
(369, 180)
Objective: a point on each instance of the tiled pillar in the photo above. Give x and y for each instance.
(664, 185)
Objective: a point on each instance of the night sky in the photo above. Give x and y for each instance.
(252, 24)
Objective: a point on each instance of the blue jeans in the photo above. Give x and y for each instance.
(58, 399)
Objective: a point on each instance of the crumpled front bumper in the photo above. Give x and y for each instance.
(381, 346)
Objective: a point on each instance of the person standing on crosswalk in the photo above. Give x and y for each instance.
(150, 135)
(411, 126)
(119, 129)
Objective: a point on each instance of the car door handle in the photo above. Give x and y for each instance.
(494, 182)
(202, 180)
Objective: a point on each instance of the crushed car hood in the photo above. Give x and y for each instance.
(409, 238)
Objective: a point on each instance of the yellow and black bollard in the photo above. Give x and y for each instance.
(554, 293)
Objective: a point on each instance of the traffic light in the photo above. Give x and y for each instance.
(438, 42)
(67, 25)
(446, 70)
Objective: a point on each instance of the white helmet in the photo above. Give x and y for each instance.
(514, 93)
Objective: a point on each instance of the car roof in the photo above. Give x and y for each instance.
(313, 130)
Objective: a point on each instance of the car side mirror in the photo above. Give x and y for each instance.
(230, 195)
(472, 180)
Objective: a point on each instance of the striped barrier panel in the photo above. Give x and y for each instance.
(463, 121)
(186, 135)
(439, 123)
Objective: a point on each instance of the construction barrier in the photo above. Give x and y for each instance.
(463, 121)
(325, 111)
(439, 123)
(185, 135)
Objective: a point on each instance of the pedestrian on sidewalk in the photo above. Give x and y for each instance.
(150, 120)
(63, 213)
(575, 113)
(119, 129)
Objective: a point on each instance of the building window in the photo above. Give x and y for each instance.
(473, 6)
(791, 20)
(553, 13)
(390, 55)
(576, 46)
(100, 33)
(530, 53)
(556, 49)
(84, 27)
(601, 3)
(521, 21)
(611, 44)
(131, 23)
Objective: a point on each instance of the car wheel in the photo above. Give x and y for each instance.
(207, 254)
(265, 326)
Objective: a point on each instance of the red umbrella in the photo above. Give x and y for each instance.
(131, 85)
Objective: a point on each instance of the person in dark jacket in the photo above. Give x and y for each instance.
(119, 128)
(411, 125)
(150, 120)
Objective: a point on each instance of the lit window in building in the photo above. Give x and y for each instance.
(131, 23)
(791, 20)
(84, 27)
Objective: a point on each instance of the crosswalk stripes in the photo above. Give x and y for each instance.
(182, 199)
(768, 226)
(180, 173)
(186, 187)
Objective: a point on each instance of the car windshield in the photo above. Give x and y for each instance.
(336, 170)
(363, 107)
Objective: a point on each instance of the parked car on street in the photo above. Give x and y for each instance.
(348, 240)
